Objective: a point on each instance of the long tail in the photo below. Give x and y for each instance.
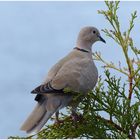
(43, 111)
(37, 118)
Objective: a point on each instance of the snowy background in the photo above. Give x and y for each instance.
(33, 37)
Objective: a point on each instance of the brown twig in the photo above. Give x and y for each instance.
(130, 88)
(112, 124)
(133, 130)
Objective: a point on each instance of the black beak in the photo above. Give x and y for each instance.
(101, 39)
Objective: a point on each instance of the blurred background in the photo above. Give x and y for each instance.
(34, 36)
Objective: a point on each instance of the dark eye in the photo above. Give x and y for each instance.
(94, 31)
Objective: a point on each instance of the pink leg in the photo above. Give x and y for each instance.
(57, 121)
(75, 117)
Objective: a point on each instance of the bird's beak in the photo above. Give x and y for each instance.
(101, 39)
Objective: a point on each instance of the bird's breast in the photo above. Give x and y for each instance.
(89, 77)
(84, 76)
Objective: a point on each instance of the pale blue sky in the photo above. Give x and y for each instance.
(33, 37)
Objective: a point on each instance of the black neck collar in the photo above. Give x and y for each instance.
(81, 49)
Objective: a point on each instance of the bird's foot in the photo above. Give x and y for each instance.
(58, 122)
(75, 117)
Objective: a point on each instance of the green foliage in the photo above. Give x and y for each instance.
(119, 122)
(112, 109)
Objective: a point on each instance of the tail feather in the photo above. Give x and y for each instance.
(43, 111)
(34, 117)
(41, 123)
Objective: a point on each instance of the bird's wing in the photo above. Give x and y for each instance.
(68, 75)
(56, 68)
(53, 71)
(45, 88)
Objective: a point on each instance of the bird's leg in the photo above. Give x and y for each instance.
(57, 121)
(75, 117)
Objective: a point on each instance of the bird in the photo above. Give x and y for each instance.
(76, 71)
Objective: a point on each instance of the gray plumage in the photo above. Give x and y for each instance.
(75, 71)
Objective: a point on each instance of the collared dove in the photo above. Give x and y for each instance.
(75, 71)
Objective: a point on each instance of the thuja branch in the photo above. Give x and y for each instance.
(97, 56)
(135, 73)
(124, 41)
(110, 122)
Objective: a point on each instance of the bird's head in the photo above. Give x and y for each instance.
(89, 35)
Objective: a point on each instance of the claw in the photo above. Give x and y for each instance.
(75, 117)
(58, 122)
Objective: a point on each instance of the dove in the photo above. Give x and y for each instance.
(76, 71)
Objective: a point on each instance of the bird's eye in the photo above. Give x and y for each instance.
(94, 31)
